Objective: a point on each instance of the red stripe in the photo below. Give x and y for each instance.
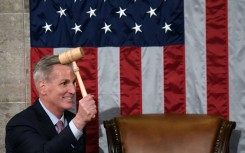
(174, 79)
(130, 80)
(88, 70)
(217, 58)
(36, 55)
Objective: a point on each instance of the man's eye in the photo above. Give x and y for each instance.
(63, 83)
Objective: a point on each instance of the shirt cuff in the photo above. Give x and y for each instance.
(77, 133)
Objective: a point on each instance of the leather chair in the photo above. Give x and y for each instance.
(168, 133)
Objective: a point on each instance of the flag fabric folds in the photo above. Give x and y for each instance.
(149, 56)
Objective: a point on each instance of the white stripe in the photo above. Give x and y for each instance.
(108, 88)
(60, 50)
(152, 80)
(195, 43)
(236, 29)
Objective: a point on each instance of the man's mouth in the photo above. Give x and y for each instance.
(68, 98)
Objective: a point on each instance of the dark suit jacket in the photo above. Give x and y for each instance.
(32, 131)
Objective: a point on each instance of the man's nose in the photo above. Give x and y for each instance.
(72, 88)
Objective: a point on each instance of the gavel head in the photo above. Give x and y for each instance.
(71, 55)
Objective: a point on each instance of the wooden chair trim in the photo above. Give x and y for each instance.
(113, 136)
(226, 127)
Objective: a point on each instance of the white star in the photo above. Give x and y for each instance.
(47, 27)
(77, 28)
(106, 28)
(152, 12)
(91, 12)
(137, 28)
(167, 27)
(61, 12)
(121, 12)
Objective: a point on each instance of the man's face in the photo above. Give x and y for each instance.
(59, 89)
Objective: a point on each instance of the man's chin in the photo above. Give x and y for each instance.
(68, 103)
(67, 107)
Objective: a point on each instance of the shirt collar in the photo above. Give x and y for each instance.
(53, 118)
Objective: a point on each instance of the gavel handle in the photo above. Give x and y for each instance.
(79, 79)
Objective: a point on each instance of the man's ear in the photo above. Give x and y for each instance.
(42, 87)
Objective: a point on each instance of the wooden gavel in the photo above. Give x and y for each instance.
(71, 56)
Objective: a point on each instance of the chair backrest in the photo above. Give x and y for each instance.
(168, 133)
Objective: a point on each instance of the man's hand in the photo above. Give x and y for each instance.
(86, 111)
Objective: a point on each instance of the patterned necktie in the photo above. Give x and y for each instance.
(59, 125)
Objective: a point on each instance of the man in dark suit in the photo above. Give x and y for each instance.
(34, 129)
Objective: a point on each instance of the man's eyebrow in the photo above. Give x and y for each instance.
(65, 80)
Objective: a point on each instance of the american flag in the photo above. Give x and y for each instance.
(149, 56)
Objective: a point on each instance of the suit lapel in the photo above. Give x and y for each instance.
(46, 125)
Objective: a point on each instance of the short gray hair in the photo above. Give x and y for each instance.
(44, 67)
